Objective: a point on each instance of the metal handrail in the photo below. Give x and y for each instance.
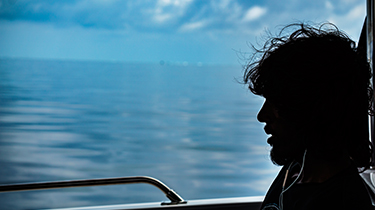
(173, 196)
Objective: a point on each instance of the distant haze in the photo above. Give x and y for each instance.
(190, 32)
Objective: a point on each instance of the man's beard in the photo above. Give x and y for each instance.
(279, 159)
(283, 153)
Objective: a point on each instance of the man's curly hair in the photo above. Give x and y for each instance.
(319, 80)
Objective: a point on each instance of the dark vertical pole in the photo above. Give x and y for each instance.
(370, 48)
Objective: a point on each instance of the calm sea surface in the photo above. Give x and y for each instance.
(192, 127)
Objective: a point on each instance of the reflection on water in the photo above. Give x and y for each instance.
(192, 127)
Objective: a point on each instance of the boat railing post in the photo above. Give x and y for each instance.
(370, 48)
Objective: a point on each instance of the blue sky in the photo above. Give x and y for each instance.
(176, 32)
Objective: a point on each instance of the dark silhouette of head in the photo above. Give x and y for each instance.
(319, 82)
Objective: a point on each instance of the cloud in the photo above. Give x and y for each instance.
(356, 12)
(329, 5)
(177, 3)
(193, 26)
(137, 24)
(166, 10)
(351, 20)
(254, 13)
(157, 16)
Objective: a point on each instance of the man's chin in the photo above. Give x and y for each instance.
(278, 159)
(282, 155)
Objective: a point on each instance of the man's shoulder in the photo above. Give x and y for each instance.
(346, 190)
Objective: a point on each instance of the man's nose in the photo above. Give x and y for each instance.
(261, 114)
(266, 113)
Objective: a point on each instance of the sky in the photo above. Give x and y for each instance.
(159, 31)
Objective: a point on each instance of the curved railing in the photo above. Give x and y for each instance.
(171, 195)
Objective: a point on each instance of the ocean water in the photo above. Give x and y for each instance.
(192, 127)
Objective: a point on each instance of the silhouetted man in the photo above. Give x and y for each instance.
(317, 94)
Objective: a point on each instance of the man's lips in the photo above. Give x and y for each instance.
(268, 130)
(272, 140)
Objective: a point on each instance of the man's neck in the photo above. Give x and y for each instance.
(317, 170)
